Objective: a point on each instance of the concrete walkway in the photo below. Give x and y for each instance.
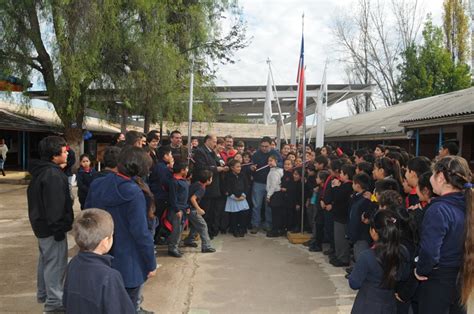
(246, 275)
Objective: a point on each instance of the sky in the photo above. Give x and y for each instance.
(274, 27)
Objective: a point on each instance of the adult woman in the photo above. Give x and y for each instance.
(447, 240)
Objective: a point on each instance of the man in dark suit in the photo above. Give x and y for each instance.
(206, 159)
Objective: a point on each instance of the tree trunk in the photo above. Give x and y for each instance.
(123, 121)
(74, 139)
(146, 122)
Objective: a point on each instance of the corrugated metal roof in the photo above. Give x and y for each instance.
(390, 121)
(447, 105)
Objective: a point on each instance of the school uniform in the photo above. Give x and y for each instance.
(310, 210)
(198, 224)
(84, 178)
(441, 254)
(133, 248)
(235, 187)
(357, 230)
(93, 286)
(328, 198)
(293, 192)
(340, 208)
(367, 277)
(179, 191)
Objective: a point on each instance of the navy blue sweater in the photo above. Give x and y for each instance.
(442, 233)
(159, 180)
(93, 286)
(133, 248)
(179, 190)
(261, 159)
(358, 230)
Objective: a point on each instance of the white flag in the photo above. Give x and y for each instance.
(321, 110)
(267, 109)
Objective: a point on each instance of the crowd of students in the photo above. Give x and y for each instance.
(401, 225)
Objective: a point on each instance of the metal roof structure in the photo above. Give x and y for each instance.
(249, 100)
(391, 122)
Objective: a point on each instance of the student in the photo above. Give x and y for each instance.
(385, 168)
(198, 224)
(342, 195)
(317, 238)
(273, 181)
(445, 268)
(286, 181)
(278, 198)
(179, 208)
(390, 200)
(92, 285)
(378, 269)
(120, 196)
(415, 168)
(84, 178)
(51, 217)
(357, 230)
(310, 208)
(294, 201)
(449, 148)
(159, 181)
(235, 186)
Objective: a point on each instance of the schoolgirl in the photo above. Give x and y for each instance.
(84, 178)
(236, 203)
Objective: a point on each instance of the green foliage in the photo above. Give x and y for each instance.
(428, 69)
(456, 29)
(102, 53)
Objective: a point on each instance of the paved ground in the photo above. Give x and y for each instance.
(247, 275)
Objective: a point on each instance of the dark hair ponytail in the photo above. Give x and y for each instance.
(387, 248)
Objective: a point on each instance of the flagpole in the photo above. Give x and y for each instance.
(278, 101)
(190, 115)
(304, 139)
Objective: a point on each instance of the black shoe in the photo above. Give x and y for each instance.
(307, 243)
(349, 270)
(175, 253)
(272, 234)
(242, 234)
(315, 248)
(143, 311)
(347, 276)
(338, 263)
(190, 244)
(329, 252)
(208, 250)
(236, 234)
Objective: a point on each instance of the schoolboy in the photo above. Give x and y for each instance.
(92, 285)
(178, 198)
(198, 224)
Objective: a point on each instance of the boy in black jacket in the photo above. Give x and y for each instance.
(92, 285)
(51, 217)
(342, 191)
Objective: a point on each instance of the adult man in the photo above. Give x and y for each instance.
(135, 138)
(259, 192)
(179, 151)
(51, 217)
(205, 159)
(229, 151)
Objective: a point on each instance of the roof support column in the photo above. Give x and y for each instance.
(440, 139)
(417, 147)
(278, 133)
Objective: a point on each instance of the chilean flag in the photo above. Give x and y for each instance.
(301, 87)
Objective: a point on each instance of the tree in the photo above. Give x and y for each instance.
(62, 41)
(456, 29)
(371, 44)
(138, 49)
(428, 69)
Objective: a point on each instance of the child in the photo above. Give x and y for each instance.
(415, 168)
(379, 268)
(318, 232)
(273, 180)
(310, 207)
(178, 194)
(278, 198)
(357, 230)
(286, 181)
(85, 175)
(92, 285)
(198, 224)
(294, 201)
(236, 204)
(385, 168)
(342, 195)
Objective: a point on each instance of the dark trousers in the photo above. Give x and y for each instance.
(135, 295)
(238, 221)
(278, 218)
(329, 228)
(221, 218)
(160, 231)
(440, 294)
(318, 230)
(209, 204)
